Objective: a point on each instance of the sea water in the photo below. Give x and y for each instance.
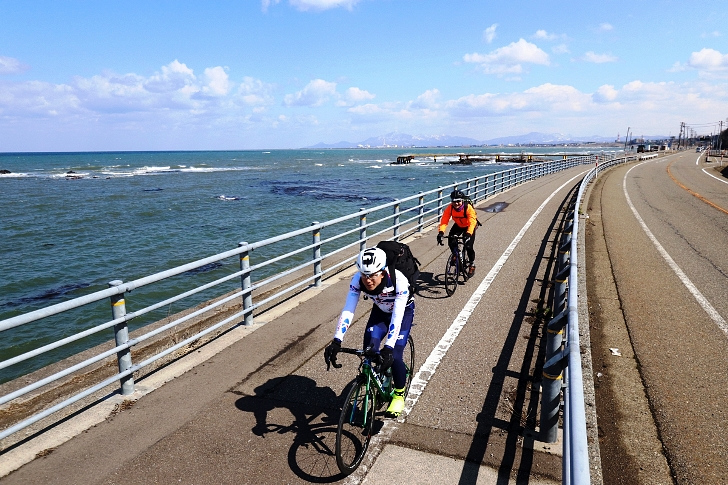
(72, 222)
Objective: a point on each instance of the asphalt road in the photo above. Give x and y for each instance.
(264, 410)
(658, 294)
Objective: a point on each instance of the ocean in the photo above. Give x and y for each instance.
(72, 222)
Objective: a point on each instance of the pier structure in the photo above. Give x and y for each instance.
(470, 158)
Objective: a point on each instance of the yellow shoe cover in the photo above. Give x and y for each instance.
(397, 405)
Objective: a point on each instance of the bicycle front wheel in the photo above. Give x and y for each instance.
(452, 272)
(409, 359)
(355, 427)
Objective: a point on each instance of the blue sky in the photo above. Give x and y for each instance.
(250, 74)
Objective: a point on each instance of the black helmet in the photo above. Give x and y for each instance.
(457, 194)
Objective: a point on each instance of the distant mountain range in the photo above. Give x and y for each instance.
(402, 140)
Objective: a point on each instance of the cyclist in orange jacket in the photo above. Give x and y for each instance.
(465, 223)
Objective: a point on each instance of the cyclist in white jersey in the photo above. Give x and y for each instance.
(390, 320)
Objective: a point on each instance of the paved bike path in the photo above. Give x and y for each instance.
(264, 409)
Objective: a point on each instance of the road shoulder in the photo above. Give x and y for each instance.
(631, 451)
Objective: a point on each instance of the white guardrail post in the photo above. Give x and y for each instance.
(121, 335)
(362, 229)
(245, 284)
(316, 254)
(421, 212)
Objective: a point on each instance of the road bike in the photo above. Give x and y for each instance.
(370, 392)
(457, 265)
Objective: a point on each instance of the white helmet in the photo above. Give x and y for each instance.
(371, 260)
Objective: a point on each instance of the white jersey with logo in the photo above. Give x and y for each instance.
(387, 301)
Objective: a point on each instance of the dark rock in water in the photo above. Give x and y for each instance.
(205, 268)
(48, 294)
(70, 171)
(5, 171)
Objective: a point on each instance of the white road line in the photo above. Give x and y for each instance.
(420, 380)
(716, 178)
(427, 370)
(702, 301)
(706, 173)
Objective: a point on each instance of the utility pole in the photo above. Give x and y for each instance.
(679, 138)
(626, 139)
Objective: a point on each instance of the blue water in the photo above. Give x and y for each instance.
(72, 222)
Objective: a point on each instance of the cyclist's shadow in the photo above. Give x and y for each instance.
(431, 286)
(315, 413)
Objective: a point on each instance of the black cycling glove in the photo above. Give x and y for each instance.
(387, 356)
(330, 353)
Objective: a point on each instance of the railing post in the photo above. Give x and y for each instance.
(316, 254)
(121, 336)
(553, 371)
(439, 201)
(362, 229)
(421, 212)
(396, 221)
(245, 284)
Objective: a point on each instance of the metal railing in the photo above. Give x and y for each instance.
(345, 237)
(562, 367)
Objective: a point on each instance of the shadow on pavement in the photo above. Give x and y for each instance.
(430, 286)
(315, 412)
(522, 401)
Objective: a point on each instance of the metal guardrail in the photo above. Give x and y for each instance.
(562, 368)
(349, 234)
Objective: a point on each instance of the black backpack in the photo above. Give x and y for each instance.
(468, 201)
(399, 256)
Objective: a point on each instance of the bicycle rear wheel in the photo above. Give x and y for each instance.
(355, 427)
(452, 272)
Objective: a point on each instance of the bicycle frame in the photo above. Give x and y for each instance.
(453, 274)
(368, 372)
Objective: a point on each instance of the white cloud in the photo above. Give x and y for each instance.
(560, 49)
(267, 3)
(713, 34)
(708, 60)
(489, 33)
(218, 81)
(254, 92)
(426, 100)
(598, 58)
(543, 35)
(10, 65)
(605, 27)
(317, 5)
(316, 93)
(509, 59)
(546, 98)
(605, 93)
(354, 96)
(173, 90)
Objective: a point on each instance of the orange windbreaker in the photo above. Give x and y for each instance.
(469, 220)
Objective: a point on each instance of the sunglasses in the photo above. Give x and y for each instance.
(371, 276)
(457, 201)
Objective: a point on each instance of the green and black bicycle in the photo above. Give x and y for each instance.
(370, 392)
